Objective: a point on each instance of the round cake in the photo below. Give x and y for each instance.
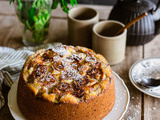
(66, 83)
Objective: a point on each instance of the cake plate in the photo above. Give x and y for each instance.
(119, 109)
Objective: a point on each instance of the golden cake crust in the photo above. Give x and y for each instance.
(76, 101)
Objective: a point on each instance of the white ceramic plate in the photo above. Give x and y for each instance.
(146, 68)
(119, 109)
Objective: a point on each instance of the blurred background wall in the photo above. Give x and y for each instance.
(103, 2)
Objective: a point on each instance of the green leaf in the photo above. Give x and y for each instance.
(73, 2)
(38, 4)
(20, 5)
(44, 11)
(28, 25)
(42, 3)
(55, 4)
(47, 1)
(31, 15)
(39, 25)
(64, 6)
(34, 4)
(42, 19)
(35, 18)
(47, 17)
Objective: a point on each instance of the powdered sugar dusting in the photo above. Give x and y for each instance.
(70, 73)
(90, 59)
(60, 49)
(134, 110)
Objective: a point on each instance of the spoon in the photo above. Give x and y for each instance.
(131, 23)
(150, 82)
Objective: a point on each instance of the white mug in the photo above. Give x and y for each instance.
(80, 24)
(106, 43)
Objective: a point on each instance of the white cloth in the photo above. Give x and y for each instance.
(11, 63)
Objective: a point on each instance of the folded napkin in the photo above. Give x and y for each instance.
(11, 63)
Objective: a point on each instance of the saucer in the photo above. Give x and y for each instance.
(146, 68)
(118, 111)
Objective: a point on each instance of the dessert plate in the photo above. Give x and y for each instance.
(146, 68)
(119, 109)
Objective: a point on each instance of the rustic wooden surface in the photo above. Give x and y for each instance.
(142, 107)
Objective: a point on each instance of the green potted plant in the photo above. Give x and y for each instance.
(35, 17)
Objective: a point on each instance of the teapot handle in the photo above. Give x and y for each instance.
(154, 10)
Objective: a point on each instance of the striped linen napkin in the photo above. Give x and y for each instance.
(11, 63)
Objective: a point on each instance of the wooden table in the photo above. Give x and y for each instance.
(142, 107)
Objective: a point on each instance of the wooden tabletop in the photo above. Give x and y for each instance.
(141, 107)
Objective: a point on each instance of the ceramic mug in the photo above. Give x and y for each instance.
(106, 43)
(80, 24)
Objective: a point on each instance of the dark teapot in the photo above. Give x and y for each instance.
(145, 29)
